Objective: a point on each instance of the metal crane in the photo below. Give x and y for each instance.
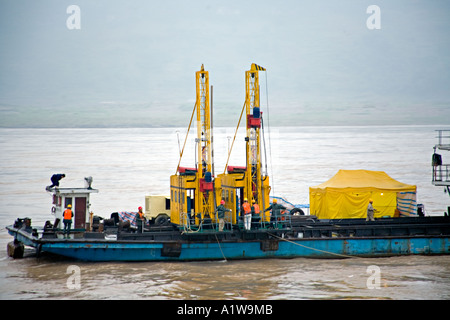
(237, 182)
(192, 188)
(253, 190)
(205, 185)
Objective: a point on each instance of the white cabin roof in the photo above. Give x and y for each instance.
(64, 191)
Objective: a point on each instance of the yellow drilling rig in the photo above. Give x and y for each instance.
(195, 192)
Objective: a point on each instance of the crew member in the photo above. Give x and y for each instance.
(276, 210)
(247, 212)
(140, 220)
(255, 212)
(221, 214)
(370, 211)
(55, 180)
(67, 220)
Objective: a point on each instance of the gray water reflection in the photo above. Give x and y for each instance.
(411, 277)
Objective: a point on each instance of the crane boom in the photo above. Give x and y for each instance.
(253, 189)
(238, 183)
(192, 189)
(204, 191)
(194, 192)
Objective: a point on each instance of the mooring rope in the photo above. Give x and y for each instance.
(220, 247)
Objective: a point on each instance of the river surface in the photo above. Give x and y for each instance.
(127, 164)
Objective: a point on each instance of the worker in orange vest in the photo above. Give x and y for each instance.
(67, 220)
(247, 212)
(140, 220)
(255, 212)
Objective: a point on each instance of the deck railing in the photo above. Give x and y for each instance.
(280, 221)
(443, 139)
(441, 173)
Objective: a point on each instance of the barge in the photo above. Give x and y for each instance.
(226, 216)
(304, 237)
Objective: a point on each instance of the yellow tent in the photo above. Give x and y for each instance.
(347, 194)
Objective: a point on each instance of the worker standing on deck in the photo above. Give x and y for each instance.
(140, 219)
(247, 212)
(67, 220)
(370, 211)
(255, 212)
(221, 214)
(276, 210)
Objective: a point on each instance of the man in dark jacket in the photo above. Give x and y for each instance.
(221, 214)
(276, 210)
(55, 180)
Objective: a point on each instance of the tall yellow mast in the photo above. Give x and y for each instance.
(238, 183)
(192, 189)
(253, 190)
(205, 187)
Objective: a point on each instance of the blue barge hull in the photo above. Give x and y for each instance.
(305, 237)
(330, 248)
(273, 246)
(313, 248)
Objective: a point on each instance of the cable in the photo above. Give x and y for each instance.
(220, 248)
(187, 133)
(270, 144)
(234, 138)
(265, 149)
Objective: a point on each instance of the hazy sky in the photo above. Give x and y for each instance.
(133, 63)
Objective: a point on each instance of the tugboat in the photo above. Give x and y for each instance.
(186, 225)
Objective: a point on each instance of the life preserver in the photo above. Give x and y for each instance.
(53, 210)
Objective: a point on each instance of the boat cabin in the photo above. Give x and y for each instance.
(78, 198)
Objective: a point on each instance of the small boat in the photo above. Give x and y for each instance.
(186, 225)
